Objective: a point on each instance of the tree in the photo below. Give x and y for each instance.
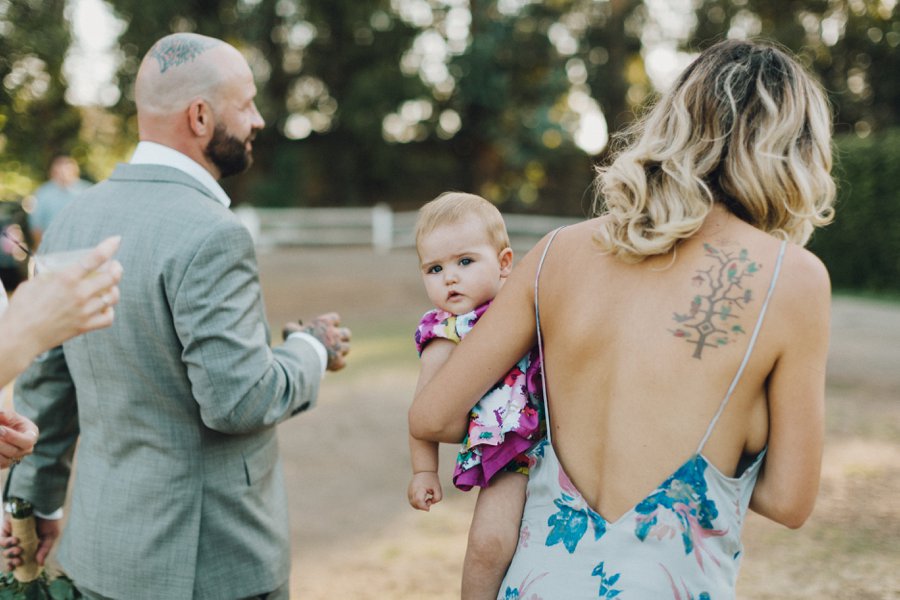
(327, 73)
(380, 100)
(851, 44)
(509, 92)
(397, 100)
(35, 120)
(719, 296)
(521, 78)
(337, 96)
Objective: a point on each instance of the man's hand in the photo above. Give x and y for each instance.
(47, 532)
(326, 328)
(424, 490)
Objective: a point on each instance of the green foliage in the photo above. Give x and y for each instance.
(19, 508)
(862, 247)
(852, 45)
(42, 588)
(333, 74)
(35, 120)
(516, 146)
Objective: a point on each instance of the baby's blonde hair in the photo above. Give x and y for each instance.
(453, 207)
(745, 126)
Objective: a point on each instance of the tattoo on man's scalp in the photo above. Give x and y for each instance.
(711, 321)
(179, 50)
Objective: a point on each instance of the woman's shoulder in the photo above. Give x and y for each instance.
(804, 287)
(804, 275)
(807, 269)
(800, 271)
(568, 239)
(802, 278)
(800, 299)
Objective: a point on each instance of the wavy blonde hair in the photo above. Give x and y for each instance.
(745, 126)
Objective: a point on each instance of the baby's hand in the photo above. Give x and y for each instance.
(424, 490)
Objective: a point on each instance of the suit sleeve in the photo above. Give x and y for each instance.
(240, 383)
(45, 394)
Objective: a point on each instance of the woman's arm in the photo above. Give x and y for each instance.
(51, 308)
(789, 482)
(503, 335)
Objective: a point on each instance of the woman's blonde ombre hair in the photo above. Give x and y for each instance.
(745, 126)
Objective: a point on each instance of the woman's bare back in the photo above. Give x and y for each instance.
(638, 357)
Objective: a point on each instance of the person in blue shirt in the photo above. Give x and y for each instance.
(64, 185)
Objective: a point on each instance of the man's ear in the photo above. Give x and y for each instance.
(200, 118)
(506, 261)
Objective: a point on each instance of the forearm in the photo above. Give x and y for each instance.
(435, 431)
(761, 502)
(17, 349)
(423, 455)
(244, 399)
(42, 478)
(789, 480)
(45, 394)
(240, 384)
(789, 505)
(14, 358)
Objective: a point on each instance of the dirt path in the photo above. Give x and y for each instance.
(346, 461)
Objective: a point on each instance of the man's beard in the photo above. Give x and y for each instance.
(228, 153)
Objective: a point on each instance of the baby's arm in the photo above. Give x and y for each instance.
(425, 486)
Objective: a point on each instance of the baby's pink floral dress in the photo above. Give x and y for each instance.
(506, 422)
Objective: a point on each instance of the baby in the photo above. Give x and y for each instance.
(465, 258)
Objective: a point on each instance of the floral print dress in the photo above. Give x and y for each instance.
(682, 541)
(508, 419)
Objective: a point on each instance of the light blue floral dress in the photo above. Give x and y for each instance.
(683, 541)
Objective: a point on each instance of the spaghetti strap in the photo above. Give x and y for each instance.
(537, 320)
(740, 371)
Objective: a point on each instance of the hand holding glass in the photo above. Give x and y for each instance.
(72, 293)
(54, 262)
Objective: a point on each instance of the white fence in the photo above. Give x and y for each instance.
(378, 226)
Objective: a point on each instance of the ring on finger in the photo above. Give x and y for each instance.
(107, 301)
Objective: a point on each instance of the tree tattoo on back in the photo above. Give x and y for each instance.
(712, 320)
(179, 50)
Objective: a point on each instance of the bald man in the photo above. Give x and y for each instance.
(179, 491)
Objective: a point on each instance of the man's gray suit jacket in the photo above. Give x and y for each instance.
(178, 490)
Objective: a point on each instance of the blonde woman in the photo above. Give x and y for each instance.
(684, 334)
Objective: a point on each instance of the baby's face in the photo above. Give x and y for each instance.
(460, 267)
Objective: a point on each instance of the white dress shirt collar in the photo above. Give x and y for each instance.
(151, 153)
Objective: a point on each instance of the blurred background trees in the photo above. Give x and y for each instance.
(35, 118)
(397, 100)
